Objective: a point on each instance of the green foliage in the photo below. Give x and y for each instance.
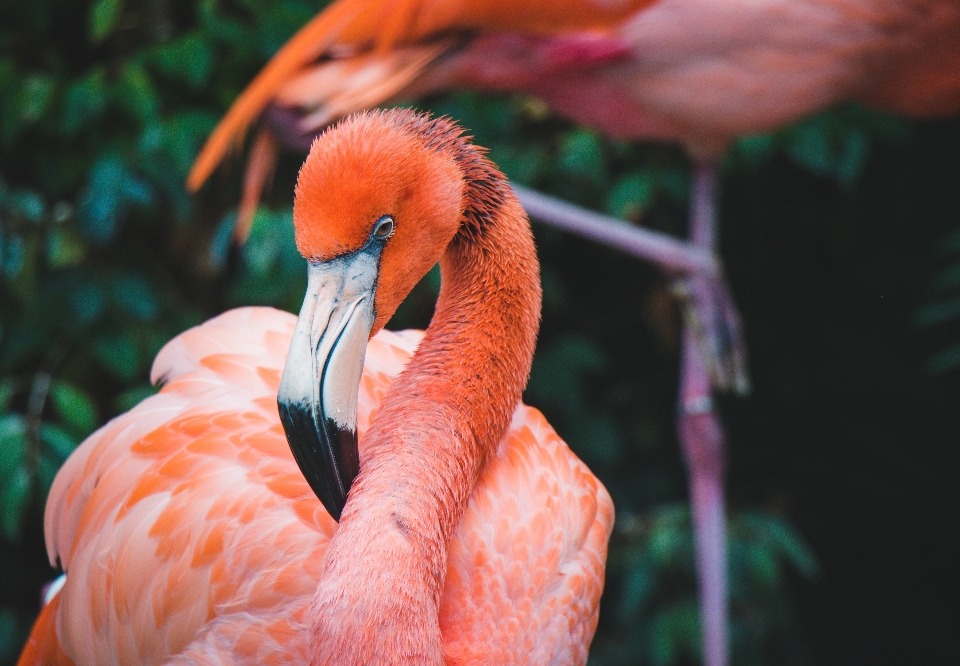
(103, 255)
(657, 606)
(273, 272)
(104, 15)
(11, 634)
(833, 144)
(942, 310)
(74, 406)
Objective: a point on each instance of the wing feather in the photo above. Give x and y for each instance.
(353, 27)
(186, 528)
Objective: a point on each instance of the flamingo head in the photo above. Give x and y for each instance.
(378, 200)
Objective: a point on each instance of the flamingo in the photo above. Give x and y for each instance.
(702, 72)
(468, 532)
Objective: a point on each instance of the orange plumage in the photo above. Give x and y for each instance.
(698, 71)
(201, 532)
(472, 534)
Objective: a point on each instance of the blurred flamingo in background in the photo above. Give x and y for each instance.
(702, 72)
(472, 534)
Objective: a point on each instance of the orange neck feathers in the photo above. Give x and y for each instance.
(449, 409)
(468, 375)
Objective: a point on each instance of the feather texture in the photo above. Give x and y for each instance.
(188, 533)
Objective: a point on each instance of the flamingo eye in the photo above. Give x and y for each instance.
(383, 227)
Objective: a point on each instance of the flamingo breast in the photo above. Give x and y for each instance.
(188, 532)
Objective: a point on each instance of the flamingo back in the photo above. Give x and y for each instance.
(189, 534)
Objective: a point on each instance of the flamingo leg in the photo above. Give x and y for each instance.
(674, 256)
(699, 427)
(713, 354)
(712, 314)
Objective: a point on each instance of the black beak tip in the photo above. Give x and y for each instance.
(326, 454)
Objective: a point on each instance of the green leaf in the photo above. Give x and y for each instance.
(631, 194)
(757, 149)
(220, 25)
(271, 268)
(179, 139)
(87, 301)
(14, 254)
(222, 240)
(13, 444)
(676, 632)
(762, 565)
(519, 163)
(15, 479)
(47, 469)
(559, 369)
(810, 147)
(8, 388)
(271, 242)
(84, 102)
(14, 499)
(789, 543)
(486, 117)
(852, 156)
(74, 406)
(35, 97)
(638, 588)
(135, 295)
(120, 355)
(103, 18)
(112, 189)
(286, 17)
(12, 635)
(582, 154)
(189, 59)
(64, 248)
(938, 313)
(135, 92)
(59, 441)
(26, 204)
(669, 542)
(944, 361)
(262, 250)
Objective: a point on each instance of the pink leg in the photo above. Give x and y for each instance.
(713, 354)
(719, 333)
(699, 428)
(673, 255)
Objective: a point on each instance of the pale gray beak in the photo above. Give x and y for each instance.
(318, 391)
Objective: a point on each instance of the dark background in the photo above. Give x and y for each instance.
(841, 238)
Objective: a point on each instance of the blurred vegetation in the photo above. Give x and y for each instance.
(104, 257)
(942, 307)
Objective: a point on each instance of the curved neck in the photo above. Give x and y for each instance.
(448, 410)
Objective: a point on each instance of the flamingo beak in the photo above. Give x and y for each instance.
(318, 392)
